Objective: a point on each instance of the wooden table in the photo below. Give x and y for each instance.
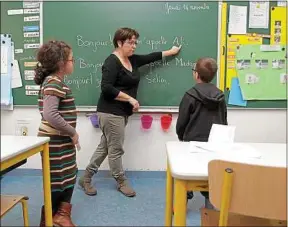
(15, 149)
(188, 171)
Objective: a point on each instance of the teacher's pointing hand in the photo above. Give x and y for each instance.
(173, 51)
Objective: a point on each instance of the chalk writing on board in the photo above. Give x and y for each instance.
(184, 63)
(84, 64)
(163, 62)
(90, 72)
(154, 43)
(178, 7)
(79, 81)
(93, 44)
(156, 78)
(157, 64)
(179, 40)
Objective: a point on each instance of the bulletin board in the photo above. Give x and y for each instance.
(256, 58)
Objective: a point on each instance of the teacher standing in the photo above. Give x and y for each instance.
(119, 85)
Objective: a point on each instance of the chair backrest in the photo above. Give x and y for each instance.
(258, 191)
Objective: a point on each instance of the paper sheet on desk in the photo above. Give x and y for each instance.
(195, 147)
(234, 150)
(222, 134)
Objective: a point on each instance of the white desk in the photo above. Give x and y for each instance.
(190, 172)
(15, 149)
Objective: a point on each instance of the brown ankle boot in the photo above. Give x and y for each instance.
(42, 220)
(124, 187)
(85, 183)
(62, 218)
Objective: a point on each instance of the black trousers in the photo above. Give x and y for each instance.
(59, 197)
(190, 195)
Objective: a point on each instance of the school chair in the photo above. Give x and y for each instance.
(9, 201)
(248, 194)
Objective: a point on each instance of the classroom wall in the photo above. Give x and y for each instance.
(145, 150)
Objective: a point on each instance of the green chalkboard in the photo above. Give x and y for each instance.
(89, 27)
(256, 103)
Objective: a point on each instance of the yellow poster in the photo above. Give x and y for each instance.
(232, 42)
(278, 25)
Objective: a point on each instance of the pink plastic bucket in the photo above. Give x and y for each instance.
(146, 121)
(166, 122)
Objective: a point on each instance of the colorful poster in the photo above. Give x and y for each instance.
(233, 41)
(262, 74)
(278, 25)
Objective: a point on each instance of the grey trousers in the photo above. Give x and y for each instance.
(111, 144)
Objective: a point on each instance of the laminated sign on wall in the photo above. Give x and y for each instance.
(262, 72)
(233, 42)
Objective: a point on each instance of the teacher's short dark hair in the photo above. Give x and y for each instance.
(206, 69)
(122, 34)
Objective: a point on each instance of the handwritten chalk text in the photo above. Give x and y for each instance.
(172, 7)
(93, 44)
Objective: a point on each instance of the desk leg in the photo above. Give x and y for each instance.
(180, 206)
(169, 197)
(25, 212)
(47, 185)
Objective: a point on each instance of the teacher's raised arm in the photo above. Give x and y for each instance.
(118, 101)
(141, 60)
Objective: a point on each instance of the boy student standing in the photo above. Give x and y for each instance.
(201, 106)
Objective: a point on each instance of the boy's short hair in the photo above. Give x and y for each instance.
(206, 69)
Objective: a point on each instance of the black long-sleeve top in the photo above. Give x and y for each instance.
(116, 78)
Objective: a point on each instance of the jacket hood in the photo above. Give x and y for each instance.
(208, 94)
